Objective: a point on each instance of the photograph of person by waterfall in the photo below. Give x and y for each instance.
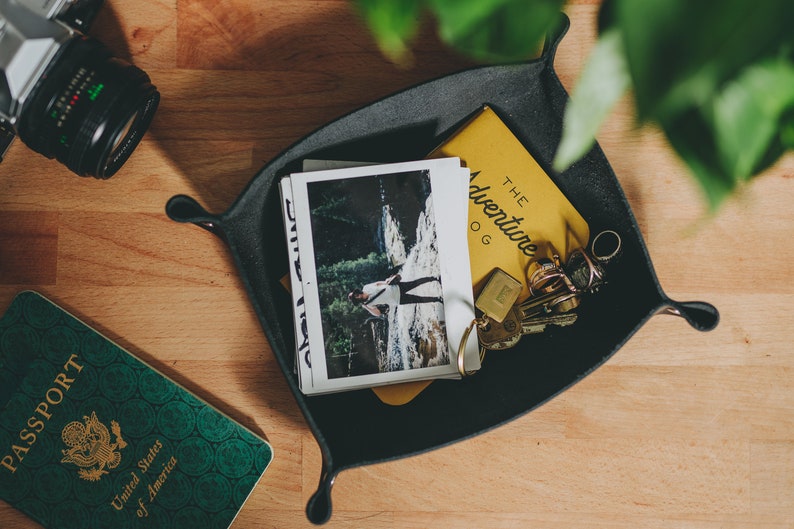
(382, 278)
(376, 238)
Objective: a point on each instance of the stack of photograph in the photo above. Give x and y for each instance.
(379, 272)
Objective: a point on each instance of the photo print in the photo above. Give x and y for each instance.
(383, 272)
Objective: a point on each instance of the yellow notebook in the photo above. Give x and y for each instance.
(516, 212)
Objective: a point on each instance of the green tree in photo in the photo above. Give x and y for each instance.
(339, 316)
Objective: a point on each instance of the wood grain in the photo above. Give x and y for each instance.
(678, 430)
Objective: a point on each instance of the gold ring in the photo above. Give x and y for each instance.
(545, 279)
(613, 252)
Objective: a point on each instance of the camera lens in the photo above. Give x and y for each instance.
(123, 134)
(89, 110)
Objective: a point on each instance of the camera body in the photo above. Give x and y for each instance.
(63, 93)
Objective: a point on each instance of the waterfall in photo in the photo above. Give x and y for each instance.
(417, 337)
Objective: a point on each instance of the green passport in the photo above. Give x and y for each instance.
(91, 437)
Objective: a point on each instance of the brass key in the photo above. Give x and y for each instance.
(530, 317)
(555, 302)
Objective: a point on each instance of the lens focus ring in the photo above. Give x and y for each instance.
(89, 110)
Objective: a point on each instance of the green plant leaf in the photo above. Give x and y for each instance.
(393, 23)
(495, 30)
(681, 51)
(787, 131)
(748, 115)
(603, 81)
(742, 130)
(692, 138)
(716, 78)
(460, 17)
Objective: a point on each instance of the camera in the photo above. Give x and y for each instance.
(63, 93)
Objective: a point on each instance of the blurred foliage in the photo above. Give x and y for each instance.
(486, 30)
(716, 77)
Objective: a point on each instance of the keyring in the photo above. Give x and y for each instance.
(479, 322)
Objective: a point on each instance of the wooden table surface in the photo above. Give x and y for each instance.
(678, 429)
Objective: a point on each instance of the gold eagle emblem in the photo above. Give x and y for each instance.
(90, 447)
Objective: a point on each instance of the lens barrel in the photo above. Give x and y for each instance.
(89, 110)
